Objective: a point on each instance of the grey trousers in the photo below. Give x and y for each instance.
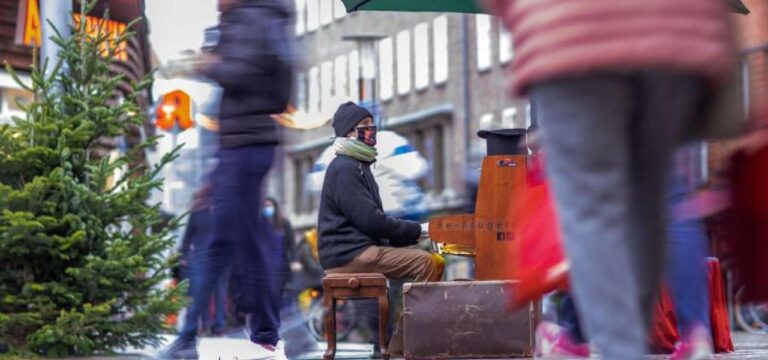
(608, 139)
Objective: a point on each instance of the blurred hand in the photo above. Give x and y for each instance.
(296, 266)
(205, 61)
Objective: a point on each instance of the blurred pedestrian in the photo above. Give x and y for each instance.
(252, 62)
(195, 242)
(687, 263)
(293, 329)
(564, 336)
(355, 236)
(614, 85)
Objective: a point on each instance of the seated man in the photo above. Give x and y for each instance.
(355, 236)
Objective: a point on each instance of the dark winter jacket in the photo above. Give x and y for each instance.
(351, 217)
(289, 241)
(311, 273)
(255, 71)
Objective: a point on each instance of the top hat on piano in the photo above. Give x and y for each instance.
(504, 141)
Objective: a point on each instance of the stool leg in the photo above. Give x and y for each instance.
(383, 322)
(329, 304)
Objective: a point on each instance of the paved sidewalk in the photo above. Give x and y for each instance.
(748, 346)
(215, 348)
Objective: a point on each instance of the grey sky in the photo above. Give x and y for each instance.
(177, 25)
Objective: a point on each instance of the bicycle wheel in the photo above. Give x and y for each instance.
(752, 318)
(346, 319)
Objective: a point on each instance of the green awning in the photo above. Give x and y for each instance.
(459, 6)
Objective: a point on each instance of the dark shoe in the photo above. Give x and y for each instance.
(181, 349)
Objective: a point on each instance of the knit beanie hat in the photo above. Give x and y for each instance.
(347, 116)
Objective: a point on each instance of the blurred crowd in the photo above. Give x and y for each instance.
(626, 94)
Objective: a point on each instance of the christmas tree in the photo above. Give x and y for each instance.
(82, 253)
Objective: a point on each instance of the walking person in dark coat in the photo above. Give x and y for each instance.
(355, 236)
(252, 62)
(293, 328)
(197, 238)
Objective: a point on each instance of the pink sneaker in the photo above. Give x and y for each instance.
(695, 346)
(552, 340)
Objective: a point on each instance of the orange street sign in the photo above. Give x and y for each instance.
(28, 28)
(174, 108)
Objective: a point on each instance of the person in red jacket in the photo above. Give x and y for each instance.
(614, 86)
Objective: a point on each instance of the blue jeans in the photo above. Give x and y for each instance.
(568, 318)
(244, 242)
(201, 312)
(202, 221)
(686, 268)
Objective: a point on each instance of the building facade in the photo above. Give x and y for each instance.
(440, 78)
(134, 64)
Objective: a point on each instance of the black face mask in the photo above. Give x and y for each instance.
(367, 135)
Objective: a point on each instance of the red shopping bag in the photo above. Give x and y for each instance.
(541, 266)
(748, 222)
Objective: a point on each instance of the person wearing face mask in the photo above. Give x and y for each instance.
(293, 330)
(355, 235)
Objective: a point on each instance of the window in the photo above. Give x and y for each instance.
(341, 90)
(506, 52)
(314, 91)
(436, 156)
(313, 15)
(301, 167)
(326, 12)
(486, 121)
(326, 86)
(528, 115)
(403, 62)
(386, 77)
(304, 201)
(483, 29)
(440, 49)
(509, 119)
(301, 92)
(301, 25)
(429, 139)
(339, 11)
(354, 75)
(421, 55)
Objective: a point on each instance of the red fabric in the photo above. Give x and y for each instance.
(664, 334)
(541, 266)
(718, 310)
(748, 222)
(562, 38)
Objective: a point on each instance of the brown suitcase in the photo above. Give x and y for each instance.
(466, 320)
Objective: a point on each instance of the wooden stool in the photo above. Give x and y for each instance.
(354, 286)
